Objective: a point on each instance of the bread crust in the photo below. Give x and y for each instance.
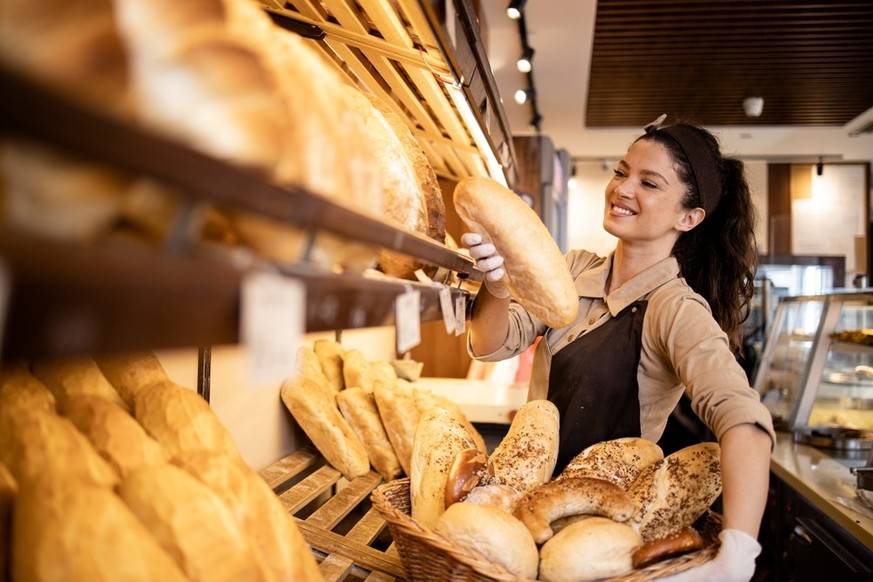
(590, 549)
(618, 461)
(359, 409)
(537, 275)
(527, 455)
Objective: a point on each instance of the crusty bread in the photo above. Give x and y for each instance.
(21, 390)
(526, 456)
(619, 461)
(590, 549)
(400, 416)
(357, 370)
(330, 355)
(128, 373)
(69, 378)
(70, 531)
(312, 403)
(671, 494)
(440, 435)
(259, 513)
(359, 409)
(495, 495)
(181, 420)
(537, 275)
(493, 533)
(114, 433)
(192, 524)
(426, 399)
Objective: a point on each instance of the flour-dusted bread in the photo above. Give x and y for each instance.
(193, 525)
(619, 461)
(129, 373)
(537, 275)
(493, 533)
(671, 494)
(181, 420)
(590, 549)
(426, 399)
(69, 378)
(400, 416)
(359, 409)
(259, 513)
(526, 456)
(65, 530)
(114, 433)
(330, 356)
(20, 390)
(312, 403)
(440, 435)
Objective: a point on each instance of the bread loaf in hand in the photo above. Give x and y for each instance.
(671, 494)
(537, 275)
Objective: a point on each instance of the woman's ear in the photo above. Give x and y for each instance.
(690, 219)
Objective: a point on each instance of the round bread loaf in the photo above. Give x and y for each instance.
(671, 494)
(618, 461)
(536, 271)
(593, 548)
(492, 532)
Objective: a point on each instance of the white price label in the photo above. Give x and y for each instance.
(448, 309)
(273, 311)
(407, 314)
(460, 314)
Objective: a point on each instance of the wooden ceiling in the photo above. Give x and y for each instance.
(811, 61)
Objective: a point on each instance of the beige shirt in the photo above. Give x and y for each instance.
(683, 348)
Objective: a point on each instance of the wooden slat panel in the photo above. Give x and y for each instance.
(310, 488)
(344, 501)
(365, 556)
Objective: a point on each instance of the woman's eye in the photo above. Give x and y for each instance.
(648, 184)
(618, 173)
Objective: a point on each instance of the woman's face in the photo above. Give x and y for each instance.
(644, 198)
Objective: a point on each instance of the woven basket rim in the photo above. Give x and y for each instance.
(401, 523)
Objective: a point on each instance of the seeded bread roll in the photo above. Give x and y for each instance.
(440, 435)
(494, 534)
(673, 493)
(526, 456)
(536, 271)
(618, 461)
(590, 549)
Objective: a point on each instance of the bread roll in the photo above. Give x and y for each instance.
(686, 540)
(537, 275)
(312, 403)
(400, 416)
(114, 433)
(589, 549)
(129, 373)
(70, 531)
(571, 496)
(259, 513)
(8, 493)
(494, 534)
(181, 420)
(526, 456)
(468, 469)
(619, 461)
(41, 445)
(495, 495)
(192, 524)
(359, 409)
(330, 356)
(673, 493)
(439, 437)
(69, 378)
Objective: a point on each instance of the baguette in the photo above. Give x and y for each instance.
(75, 377)
(400, 416)
(330, 355)
(359, 409)
(526, 456)
(129, 373)
(536, 271)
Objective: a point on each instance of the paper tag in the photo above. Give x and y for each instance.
(273, 312)
(448, 309)
(407, 314)
(460, 314)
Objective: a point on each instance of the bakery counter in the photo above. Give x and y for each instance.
(482, 401)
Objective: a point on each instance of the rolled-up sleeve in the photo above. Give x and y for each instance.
(523, 331)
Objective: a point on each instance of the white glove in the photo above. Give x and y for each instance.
(489, 262)
(735, 561)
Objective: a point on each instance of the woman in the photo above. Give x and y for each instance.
(661, 315)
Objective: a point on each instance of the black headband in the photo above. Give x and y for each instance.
(704, 166)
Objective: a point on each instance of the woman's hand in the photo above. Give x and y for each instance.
(489, 262)
(735, 561)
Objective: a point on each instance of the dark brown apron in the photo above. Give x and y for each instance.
(593, 383)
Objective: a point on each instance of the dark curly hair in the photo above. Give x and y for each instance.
(719, 257)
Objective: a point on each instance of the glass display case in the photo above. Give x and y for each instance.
(817, 366)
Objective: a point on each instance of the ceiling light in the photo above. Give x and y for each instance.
(522, 96)
(753, 106)
(524, 61)
(514, 9)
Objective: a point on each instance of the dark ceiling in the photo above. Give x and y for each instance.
(812, 62)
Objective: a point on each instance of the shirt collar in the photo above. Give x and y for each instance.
(592, 282)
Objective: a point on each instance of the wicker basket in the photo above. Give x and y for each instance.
(426, 555)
